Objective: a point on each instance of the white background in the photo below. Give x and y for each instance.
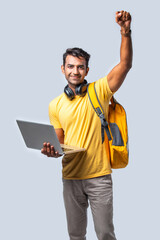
(34, 35)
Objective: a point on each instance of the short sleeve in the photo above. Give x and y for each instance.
(102, 89)
(53, 115)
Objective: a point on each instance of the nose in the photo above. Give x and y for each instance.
(75, 70)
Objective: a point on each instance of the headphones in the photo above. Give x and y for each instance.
(80, 90)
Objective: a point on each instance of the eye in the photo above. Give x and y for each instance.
(81, 67)
(70, 66)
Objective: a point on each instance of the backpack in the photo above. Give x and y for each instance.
(116, 129)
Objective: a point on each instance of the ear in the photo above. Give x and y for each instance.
(62, 68)
(87, 71)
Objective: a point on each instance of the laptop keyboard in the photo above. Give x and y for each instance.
(67, 149)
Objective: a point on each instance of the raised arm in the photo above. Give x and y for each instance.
(119, 72)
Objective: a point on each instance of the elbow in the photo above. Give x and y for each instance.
(127, 66)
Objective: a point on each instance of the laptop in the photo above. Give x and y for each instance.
(35, 134)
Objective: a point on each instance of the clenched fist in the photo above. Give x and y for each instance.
(123, 18)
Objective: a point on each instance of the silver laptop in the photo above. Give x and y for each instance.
(35, 134)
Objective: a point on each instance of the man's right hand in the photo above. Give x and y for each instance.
(49, 150)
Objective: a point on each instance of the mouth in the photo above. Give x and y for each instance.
(75, 77)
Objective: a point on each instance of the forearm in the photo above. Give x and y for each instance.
(126, 51)
(117, 75)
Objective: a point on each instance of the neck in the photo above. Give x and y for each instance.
(73, 87)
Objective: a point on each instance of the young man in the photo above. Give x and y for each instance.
(87, 175)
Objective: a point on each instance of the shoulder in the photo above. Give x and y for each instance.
(54, 108)
(57, 100)
(102, 88)
(56, 104)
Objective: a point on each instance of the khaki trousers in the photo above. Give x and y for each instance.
(98, 192)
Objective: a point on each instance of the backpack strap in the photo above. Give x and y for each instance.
(92, 94)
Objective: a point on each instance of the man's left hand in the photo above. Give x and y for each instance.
(123, 18)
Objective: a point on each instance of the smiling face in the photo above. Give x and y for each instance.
(74, 70)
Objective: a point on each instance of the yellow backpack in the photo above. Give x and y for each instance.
(116, 129)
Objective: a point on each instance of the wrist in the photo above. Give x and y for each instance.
(125, 31)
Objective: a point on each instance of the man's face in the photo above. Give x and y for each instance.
(74, 70)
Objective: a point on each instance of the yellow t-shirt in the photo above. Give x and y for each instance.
(82, 128)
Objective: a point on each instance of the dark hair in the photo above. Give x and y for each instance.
(76, 52)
